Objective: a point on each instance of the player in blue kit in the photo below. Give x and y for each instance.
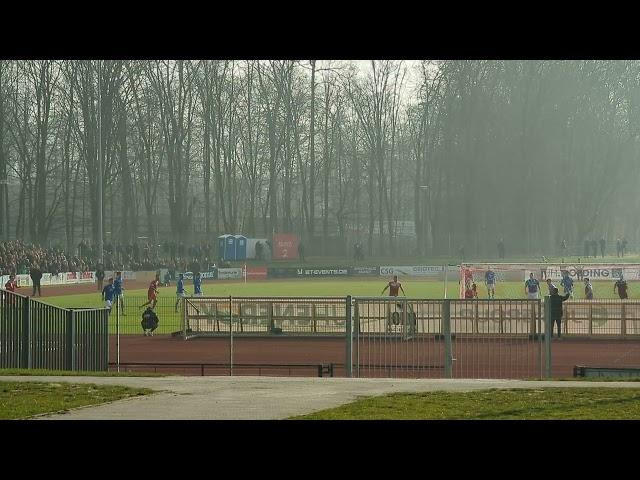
(108, 292)
(567, 283)
(180, 291)
(197, 285)
(118, 292)
(532, 287)
(490, 281)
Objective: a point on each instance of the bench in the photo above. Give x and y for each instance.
(626, 372)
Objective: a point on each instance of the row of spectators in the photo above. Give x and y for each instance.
(148, 252)
(19, 257)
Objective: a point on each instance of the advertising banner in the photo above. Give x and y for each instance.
(23, 280)
(256, 273)
(71, 277)
(58, 279)
(592, 272)
(211, 275)
(323, 272)
(282, 272)
(285, 246)
(229, 273)
(364, 271)
(86, 277)
(412, 271)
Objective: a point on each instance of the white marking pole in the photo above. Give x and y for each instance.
(446, 270)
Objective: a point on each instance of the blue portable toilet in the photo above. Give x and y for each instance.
(241, 247)
(222, 247)
(230, 247)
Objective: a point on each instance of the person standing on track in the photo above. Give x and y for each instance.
(556, 309)
(100, 276)
(36, 276)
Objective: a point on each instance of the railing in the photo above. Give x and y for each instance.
(409, 317)
(309, 316)
(608, 317)
(37, 335)
(264, 315)
(320, 369)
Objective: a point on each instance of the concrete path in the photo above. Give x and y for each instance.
(262, 398)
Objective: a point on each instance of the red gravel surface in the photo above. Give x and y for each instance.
(394, 358)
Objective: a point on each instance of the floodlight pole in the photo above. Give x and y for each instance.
(99, 162)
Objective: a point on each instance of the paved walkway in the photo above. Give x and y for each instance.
(262, 398)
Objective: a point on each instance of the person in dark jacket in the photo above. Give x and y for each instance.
(100, 276)
(556, 310)
(36, 276)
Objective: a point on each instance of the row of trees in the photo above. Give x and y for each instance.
(467, 152)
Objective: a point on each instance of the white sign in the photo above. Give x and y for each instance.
(229, 273)
(414, 271)
(593, 272)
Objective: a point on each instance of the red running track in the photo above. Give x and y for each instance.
(486, 358)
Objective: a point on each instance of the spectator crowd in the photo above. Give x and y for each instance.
(18, 257)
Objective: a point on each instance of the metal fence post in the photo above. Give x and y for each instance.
(230, 338)
(70, 341)
(25, 358)
(118, 334)
(184, 318)
(446, 330)
(547, 334)
(349, 338)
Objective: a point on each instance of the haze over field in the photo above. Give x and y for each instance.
(422, 157)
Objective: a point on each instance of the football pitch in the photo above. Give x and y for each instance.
(428, 289)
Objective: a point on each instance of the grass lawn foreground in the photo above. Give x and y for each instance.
(22, 400)
(494, 404)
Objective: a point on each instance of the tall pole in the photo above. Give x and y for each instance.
(100, 233)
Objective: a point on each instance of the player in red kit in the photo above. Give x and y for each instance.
(393, 287)
(11, 285)
(152, 294)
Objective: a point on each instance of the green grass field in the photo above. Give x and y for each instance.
(514, 404)
(20, 400)
(335, 287)
(170, 320)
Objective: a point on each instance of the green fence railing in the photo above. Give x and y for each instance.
(34, 334)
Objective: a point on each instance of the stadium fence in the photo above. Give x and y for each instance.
(36, 335)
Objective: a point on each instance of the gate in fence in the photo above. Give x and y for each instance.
(419, 338)
(37, 335)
